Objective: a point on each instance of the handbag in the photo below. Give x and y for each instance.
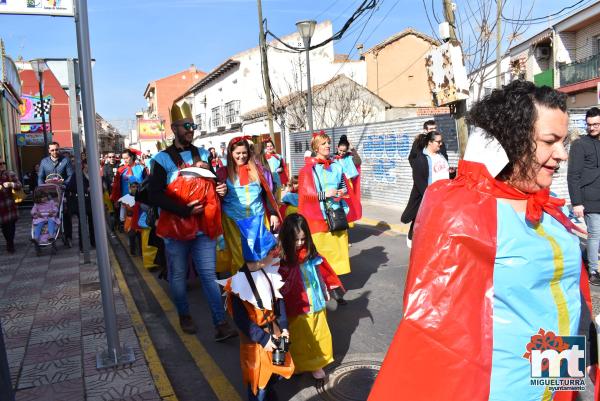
(18, 195)
(336, 218)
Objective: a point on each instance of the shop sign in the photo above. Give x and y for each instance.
(57, 8)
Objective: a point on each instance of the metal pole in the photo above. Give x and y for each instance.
(265, 72)
(40, 74)
(83, 223)
(498, 41)
(114, 355)
(309, 111)
(462, 131)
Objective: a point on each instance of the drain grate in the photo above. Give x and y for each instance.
(350, 381)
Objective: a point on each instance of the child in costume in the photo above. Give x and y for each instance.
(44, 212)
(130, 214)
(254, 301)
(289, 198)
(276, 165)
(495, 270)
(307, 277)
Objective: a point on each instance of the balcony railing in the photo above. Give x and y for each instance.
(580, 71)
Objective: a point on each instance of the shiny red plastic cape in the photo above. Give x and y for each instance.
(186, 190)
(308, 203)
(442, 349)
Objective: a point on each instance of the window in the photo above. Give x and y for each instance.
(217, 120)
(232, 112)
(201, 121)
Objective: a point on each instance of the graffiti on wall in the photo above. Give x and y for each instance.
(383, 154)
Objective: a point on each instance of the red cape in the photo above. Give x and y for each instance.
(309, 205)
(442, 349)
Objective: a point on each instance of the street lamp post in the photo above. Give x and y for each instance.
(306, 30)
(39, 66)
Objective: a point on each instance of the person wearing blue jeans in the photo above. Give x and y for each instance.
(164, 171)
(37, 229)
(203, 252)
(583, 178)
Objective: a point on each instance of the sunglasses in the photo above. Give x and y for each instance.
(188, 126)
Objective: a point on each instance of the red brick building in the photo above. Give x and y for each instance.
(161, 93)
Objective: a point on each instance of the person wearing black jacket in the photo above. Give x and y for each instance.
(583, 178)
(164, 169)
(73, 204)
(428, 165)
(109, 170)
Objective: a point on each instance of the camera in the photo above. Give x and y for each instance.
(282, 346)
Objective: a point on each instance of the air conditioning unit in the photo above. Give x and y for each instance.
(543, 53)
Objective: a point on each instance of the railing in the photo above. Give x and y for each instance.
(580, 71)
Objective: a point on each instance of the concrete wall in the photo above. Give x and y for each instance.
(397, 72)
(585, 41)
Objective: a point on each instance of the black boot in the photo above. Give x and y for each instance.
(338, 295)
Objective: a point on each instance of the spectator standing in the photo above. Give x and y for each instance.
(583, 178)
(428, 166)
(8, 207)
(61, 165)
(33, 177)
(164, 174)
(74, 205)
(109, 170)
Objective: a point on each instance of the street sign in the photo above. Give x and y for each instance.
(57, 8)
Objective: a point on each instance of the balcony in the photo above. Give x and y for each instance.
(580, 71)
(544, 78)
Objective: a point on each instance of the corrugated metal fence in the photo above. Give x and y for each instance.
(384, 148)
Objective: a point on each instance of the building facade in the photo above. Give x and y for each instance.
(10, 95)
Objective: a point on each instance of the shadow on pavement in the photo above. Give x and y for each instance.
(369, 261)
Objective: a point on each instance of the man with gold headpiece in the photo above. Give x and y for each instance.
(188, 227)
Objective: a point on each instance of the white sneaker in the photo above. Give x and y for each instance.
(408, 242)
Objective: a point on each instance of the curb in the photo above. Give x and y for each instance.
(216, 379)
(159, 376)
(385, 226)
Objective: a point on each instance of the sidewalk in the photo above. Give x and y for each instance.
(53, 326)
(383, 217)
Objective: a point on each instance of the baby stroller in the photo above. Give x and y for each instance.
(53, 191)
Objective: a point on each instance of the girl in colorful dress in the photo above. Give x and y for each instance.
(289, 198)
(254, 301)
(323, 186)
(248, 201)
(495, 273)
(307, 277)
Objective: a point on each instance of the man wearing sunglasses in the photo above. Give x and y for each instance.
(163, 179)
(56, 163)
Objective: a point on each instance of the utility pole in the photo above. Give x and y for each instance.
(498, 41)
(265, 71)
(462, 131)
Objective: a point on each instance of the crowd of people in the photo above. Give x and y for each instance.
(494, 258)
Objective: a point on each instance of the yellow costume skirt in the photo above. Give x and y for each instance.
(148, 252)
(290, 209)
(334, 248)
(107, 202)
(310, 338)
(233, 242)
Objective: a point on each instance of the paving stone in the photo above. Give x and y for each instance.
(26, 282)
(58, 370)
(64, 260)
(60, 270)
(45, 318)
(55, 332)
(15, 360)
(95, 324)
(44, 352)
(73, 304)
(149, 396)
(119, 384)
(16, 323)
(70, 390)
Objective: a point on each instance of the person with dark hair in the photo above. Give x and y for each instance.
(189, 228)
(249, 201)
(583, 178)
(347, 157)
(73, 204)
(495, 264)
(276, 165)
(213, 159)
(129, 168)
(308, 278)
(58, 165)
(8, 208)
(428, 166)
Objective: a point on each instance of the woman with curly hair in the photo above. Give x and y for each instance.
(495, 272)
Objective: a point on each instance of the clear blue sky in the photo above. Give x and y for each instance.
(135, 41)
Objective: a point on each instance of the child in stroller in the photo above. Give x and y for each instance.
(45, 214)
